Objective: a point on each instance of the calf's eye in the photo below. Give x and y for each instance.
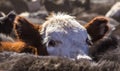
(52, 43)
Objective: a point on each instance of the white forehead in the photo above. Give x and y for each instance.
(63, 25)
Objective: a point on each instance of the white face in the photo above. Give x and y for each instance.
(65, 37)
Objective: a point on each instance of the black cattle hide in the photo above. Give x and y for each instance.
(10, 61)
(6, 23)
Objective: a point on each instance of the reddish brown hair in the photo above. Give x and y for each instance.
(94, 29)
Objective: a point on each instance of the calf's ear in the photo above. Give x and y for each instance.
(97, 28)
(29, 33)
(26, 31)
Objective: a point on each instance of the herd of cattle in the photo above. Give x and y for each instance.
(94, 46)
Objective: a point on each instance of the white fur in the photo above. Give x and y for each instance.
(69, 36)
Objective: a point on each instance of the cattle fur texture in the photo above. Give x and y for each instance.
(11, 61)
(9, 44)
(107, 49)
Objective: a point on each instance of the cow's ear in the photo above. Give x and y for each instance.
(27, 32)
(6, 23)
(97, 28)
(11, 16)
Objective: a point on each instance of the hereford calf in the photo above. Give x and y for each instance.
(64, 36)
(61, 35)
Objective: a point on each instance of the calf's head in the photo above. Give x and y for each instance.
(64, 36)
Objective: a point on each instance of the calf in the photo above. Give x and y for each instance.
(55, 36)
(61, 35)
(64, 36)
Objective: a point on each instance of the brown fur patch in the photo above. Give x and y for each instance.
(94, 29)
(29, 33)
(17, 47)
